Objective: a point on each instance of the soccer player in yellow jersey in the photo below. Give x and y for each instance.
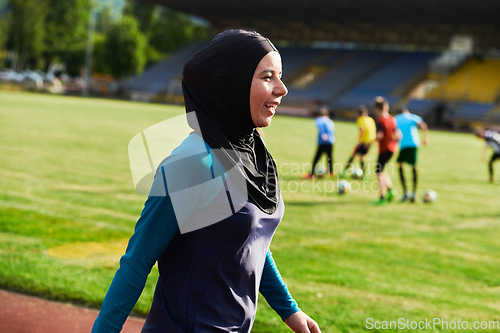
(367, 135)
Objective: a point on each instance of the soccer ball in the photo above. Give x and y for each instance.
(344, 187)
(429, 196)
(357, 173)
(320, 170)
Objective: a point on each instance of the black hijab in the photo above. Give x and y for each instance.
(216, 86)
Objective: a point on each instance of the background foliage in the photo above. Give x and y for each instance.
(124, 50)
(42, 33)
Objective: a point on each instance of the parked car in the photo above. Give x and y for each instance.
(10, 75)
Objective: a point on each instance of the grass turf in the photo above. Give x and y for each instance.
(67, 207)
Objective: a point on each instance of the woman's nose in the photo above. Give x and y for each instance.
(280, 89)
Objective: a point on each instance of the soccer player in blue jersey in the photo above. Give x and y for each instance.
(326, 141)
(408, 125)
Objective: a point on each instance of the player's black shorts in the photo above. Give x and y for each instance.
(362, 149)
(382, 161)
(408, 155)
(495, 156)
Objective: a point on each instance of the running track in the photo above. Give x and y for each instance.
(27, 314)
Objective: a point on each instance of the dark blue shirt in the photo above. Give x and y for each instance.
(209, 277)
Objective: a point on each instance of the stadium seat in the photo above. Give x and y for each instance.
(473, 111)
(476, 81)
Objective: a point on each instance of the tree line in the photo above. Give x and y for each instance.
(37, 34)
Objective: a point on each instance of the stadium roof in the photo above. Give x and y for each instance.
(425, 22)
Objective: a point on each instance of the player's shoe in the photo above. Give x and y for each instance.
(307, 176)
(332, 174)
(391, 194)
(413, 197)
(380, 202)
(405, 197)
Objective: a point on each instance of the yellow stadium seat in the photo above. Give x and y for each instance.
(475, 81)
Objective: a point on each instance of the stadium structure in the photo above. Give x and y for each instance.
(439, 58)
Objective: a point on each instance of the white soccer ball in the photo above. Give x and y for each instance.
(357, 173)
(344, 187)
(320, 170)
(429, 196)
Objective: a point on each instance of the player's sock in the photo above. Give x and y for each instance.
(491, 171)
(347, 166)
(402, 177)
(363, 177)
(415, 178)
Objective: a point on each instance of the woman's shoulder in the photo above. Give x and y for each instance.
(193, 144)
(188, 176)
(192, 152)
(188, 165)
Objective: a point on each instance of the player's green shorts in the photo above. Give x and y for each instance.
(408, 155)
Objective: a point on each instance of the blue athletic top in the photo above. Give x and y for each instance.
(209, 277)
(407, 125)
(325, 126)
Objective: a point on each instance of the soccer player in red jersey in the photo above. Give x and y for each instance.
(387, 137)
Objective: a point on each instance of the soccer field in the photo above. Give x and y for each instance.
(68, 206)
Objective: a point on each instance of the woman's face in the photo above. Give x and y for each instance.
(267, 89)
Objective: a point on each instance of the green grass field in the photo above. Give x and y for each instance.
(68, 206)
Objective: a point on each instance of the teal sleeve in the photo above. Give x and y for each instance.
(156, 227)
(275, 291)
(153, 232)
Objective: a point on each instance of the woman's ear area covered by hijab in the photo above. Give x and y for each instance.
(218, 77)
(217, 85)
(266, 90)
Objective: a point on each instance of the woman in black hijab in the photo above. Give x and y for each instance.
(221, 187)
